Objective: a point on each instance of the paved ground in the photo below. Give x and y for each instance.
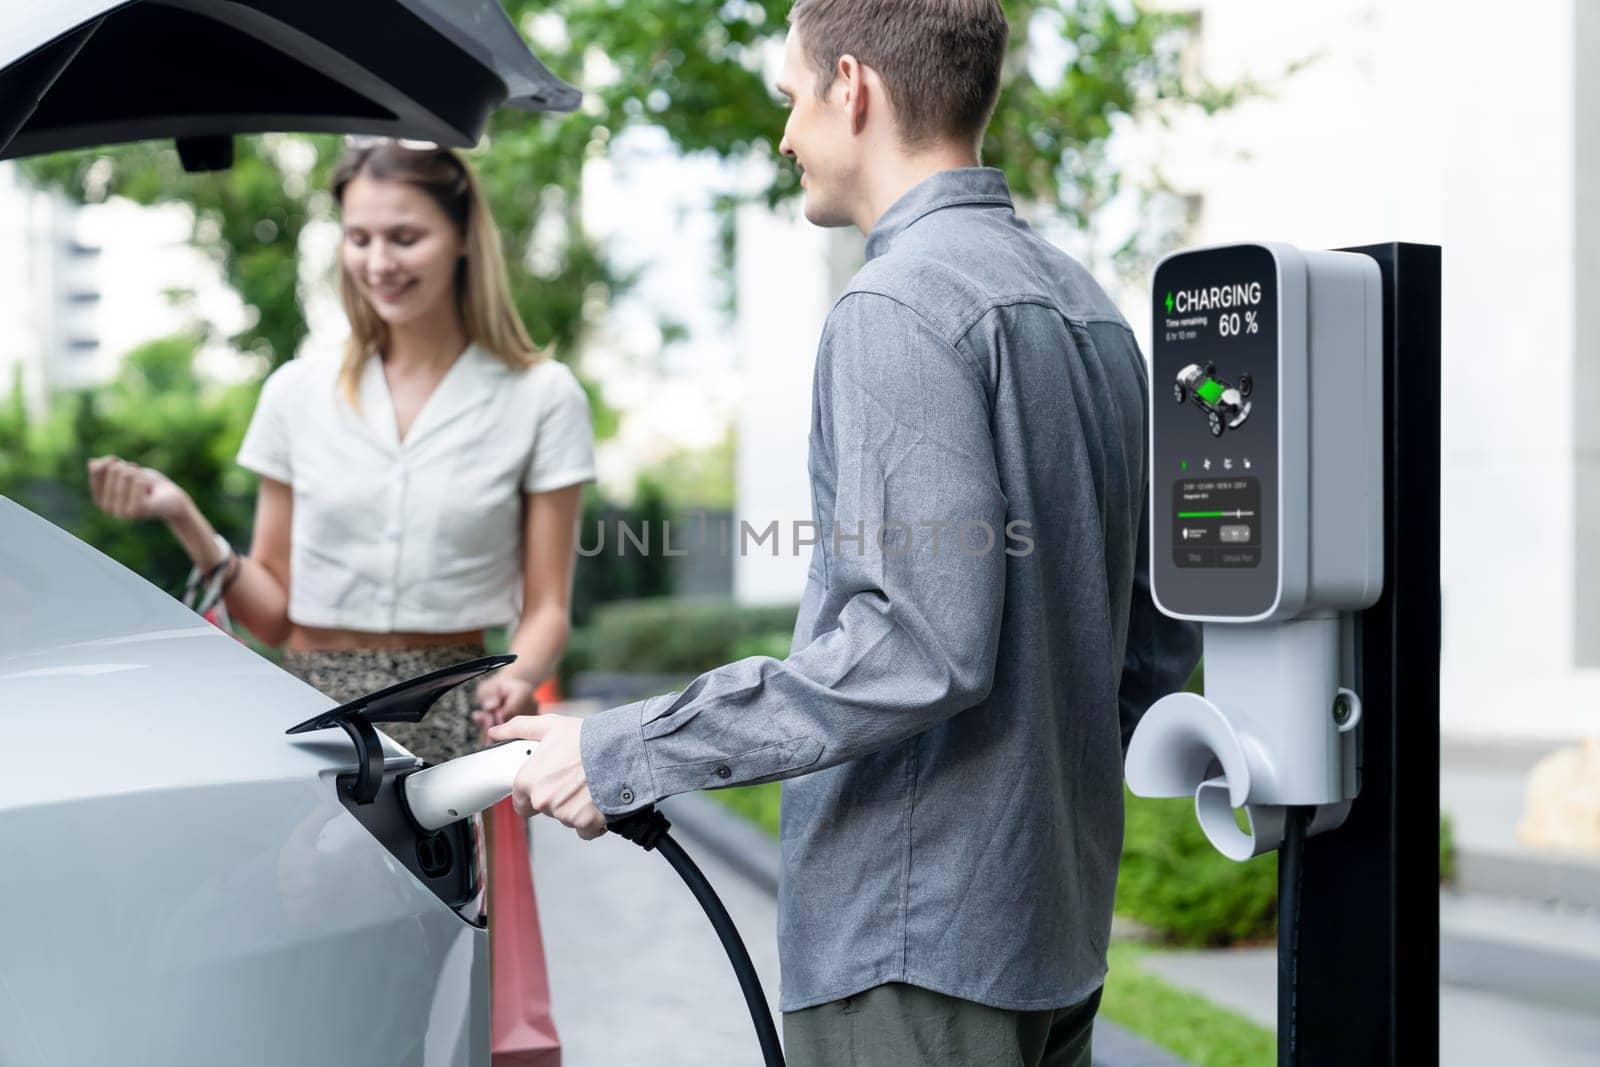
(637, 976)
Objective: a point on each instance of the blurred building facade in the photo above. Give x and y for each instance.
(49, 281)
(1474, 128)
(84, 285)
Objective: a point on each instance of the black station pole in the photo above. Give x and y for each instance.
(1368, 973)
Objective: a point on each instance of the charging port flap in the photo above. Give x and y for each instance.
(406, 701)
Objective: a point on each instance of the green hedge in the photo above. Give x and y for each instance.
(667, 635)
(156, 413)
(758, 803)
(775, 644)
(1174, 881)
(606, 573)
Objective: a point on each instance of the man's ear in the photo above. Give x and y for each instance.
(852, 77)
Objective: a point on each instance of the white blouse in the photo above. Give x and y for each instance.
(421, 535)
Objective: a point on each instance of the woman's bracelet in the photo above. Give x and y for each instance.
(235, 564)
(204, 589)
(229, 567)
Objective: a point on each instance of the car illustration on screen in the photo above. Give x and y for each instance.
(1226, 406)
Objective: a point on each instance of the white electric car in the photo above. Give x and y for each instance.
(181, 882)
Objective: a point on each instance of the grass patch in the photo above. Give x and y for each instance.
(1183, 1023)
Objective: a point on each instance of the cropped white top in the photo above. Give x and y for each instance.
(422, 535)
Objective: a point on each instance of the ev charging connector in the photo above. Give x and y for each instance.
(434, 800)
(1266, 512)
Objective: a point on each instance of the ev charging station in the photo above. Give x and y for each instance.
(1266, 513)
(1294, 459)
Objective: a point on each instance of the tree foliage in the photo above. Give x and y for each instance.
(156, 410)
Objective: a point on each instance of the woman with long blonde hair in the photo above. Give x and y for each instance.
(416, 488)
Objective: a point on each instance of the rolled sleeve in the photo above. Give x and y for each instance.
(267, 448)
(563, 449)
(912, 582)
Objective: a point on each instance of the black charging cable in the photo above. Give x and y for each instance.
(648, 828)
(1291, 862)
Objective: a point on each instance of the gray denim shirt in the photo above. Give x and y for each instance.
(976, 639)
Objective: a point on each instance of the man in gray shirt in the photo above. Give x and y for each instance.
(976, 638)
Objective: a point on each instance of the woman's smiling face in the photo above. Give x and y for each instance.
(400, 249)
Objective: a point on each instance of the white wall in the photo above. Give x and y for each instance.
(1509, 295)
(785, 286)
(1586, 327)
(1449, 124)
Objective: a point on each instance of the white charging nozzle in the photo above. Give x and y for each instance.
(462, 787)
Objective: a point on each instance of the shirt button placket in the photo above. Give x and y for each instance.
(393, 536)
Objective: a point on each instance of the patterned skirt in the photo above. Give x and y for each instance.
(445, 733)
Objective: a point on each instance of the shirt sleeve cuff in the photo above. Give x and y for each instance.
(267, 468)
(559, 480)
(614, 758)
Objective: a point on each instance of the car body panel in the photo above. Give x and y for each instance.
(29, 25)
(179, 881)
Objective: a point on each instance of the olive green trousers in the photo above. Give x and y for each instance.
(896, 1024)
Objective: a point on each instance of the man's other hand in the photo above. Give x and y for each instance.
(552, 781)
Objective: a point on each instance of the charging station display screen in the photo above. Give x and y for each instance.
(1214, 465)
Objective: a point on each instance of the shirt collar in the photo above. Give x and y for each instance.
(945, 188)
(471, 380)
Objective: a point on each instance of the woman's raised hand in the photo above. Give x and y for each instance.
(502, 696)
(130, 491)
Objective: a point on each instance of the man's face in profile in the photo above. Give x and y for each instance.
(818, 138)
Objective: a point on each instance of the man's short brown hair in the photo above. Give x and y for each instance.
(939, 59)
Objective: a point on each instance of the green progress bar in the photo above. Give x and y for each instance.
(1202, 514)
